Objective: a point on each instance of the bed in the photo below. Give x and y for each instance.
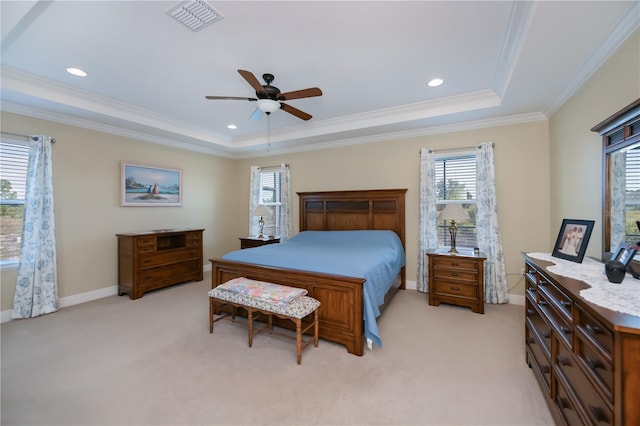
(346, 303)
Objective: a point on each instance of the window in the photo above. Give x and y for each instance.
(271, 197)
(632, 196)
(14, 157)
(456, 183)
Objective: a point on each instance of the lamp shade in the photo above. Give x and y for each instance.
(453, 211)
(262, 210)
(268, 105)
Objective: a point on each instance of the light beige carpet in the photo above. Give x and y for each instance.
(152, 361)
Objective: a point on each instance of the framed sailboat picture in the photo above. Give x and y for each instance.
(149, 186)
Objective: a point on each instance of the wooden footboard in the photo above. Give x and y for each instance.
(341, 297)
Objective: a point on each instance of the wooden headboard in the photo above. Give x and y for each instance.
(377, 209)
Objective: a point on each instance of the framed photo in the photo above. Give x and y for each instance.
(573, 239)
(624, 253)
(149, 186)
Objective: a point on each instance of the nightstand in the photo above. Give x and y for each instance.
(457, 279)
(249, 242)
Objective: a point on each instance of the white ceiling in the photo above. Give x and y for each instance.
(501, 61)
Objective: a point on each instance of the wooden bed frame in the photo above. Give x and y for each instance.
(341, 313)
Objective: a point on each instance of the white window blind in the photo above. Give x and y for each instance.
(456, 183)
(271, 197)
(14, 158)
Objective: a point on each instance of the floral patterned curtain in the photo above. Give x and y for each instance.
(254, 199)
(37, 282)
(427, 217)
(618, 179)
(489, 241)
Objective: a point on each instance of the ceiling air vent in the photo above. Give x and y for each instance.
(195, 14)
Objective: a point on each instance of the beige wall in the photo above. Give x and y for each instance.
(545, 171)
(522, 174)
(576, 151)
(86, 176)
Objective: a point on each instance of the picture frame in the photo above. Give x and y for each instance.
(143, 185)
(624, 253)
(573, 239)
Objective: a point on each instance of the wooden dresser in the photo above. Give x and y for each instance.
(586, 358)
(159, 258)
(457, 279)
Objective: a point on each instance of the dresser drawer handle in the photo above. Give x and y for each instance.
(454, 274)
(593, 363)
(594, 329)
(598, 413)
(545, 369)
(530, 340)
(566, 303)
(530, 311)
(455, 288)
(565, 329)
(563, 360)
(542, 303)
(546, 334)
(562, 402)
(454, 263)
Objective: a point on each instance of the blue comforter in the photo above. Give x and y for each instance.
(376, 256)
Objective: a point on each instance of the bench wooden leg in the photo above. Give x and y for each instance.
(250, 320)
(211, 308)
(315, 327)
(298, 322)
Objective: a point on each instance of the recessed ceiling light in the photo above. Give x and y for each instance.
(435, 82)
(232, 126)
(77, 72)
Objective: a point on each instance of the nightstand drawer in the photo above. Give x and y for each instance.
(456, 275)
(454, 262)
(455, 289)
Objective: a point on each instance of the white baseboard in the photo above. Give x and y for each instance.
(84, 297)
(5, 316)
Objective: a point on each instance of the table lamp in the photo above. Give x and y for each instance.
(261, 211)
(453, 212)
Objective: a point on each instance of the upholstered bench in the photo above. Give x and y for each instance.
(268, 299)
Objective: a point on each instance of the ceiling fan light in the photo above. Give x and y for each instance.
(268, 105)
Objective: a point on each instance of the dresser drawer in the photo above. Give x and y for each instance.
(539, 326)
(595, 331)
(155, 259)
(596, 366)
(589, 401)
(557, 320)
(146, 244)
(151, 277)
(452, 262)
(541, 362)
(566, 405)
(558, 298)
(193, 239)
(455, 289)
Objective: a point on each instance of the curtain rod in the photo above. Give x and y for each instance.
(464, 148)
(273, 167)
(23, 136)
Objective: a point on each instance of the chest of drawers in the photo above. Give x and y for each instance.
(456, 279)
(586, 357)
(156, 259)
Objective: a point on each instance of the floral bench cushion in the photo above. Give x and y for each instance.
(269, 297)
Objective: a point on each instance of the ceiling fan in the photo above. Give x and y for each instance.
(270, 99)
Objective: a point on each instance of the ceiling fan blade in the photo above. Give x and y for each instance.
(297, 94)
(257, 115)
(295, 111)
(231, 98)
(252, 80)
